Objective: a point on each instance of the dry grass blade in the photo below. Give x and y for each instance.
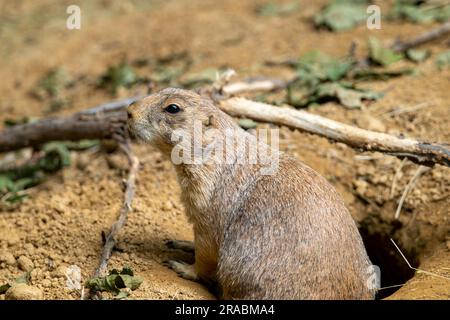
(421, 170)
(417, 269)
(399, 111)
(396, 177)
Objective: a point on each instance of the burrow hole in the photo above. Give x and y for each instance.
(394, 270)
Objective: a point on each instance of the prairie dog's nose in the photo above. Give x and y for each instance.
(130, 110)
(129, 114)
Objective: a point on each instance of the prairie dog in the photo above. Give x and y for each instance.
(284, 235)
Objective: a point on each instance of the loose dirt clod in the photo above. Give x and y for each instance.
(25, 263)
(22, 291)
(7, 258)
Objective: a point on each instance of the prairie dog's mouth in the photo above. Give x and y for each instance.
(140, 131)
(131, 128)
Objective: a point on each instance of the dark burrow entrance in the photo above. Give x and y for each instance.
(382, 252)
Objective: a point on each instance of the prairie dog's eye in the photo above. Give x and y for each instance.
(172, 108)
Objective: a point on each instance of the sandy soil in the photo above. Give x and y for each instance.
(60, 224)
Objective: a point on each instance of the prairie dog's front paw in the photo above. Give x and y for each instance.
(187, 246)
(184, 270)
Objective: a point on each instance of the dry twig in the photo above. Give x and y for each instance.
(411, 267)
(110, 240)
(419, 152)
(421, 170)
(252, 86)
(75, 127)
(428, 36)
(398, 111)
(396, 177)
(417, 269)
(126, 207)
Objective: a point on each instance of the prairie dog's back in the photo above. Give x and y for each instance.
(291, 237)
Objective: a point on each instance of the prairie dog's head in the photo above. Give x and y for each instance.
(155, 118)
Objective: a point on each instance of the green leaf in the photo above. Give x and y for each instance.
(10, 190)
(247, 124)
(274, 9)
(320, 78)
(114, 271)
(15, 197)
(420, 11)
(115, 281)
(131, 282)
(116, 76)
(25, 278)
(443, 60)
(57, 155)
(122, 295)
(6, 184)
(417, 55)
(56, 104)
(99, 284)
(341, 15)
(4, 288)
(167, 75)
(127, 271)
(347, 96)
(82, 144)
(317, 65)
(206, 76)
(381, 55)
(54, 81)
(379, 74)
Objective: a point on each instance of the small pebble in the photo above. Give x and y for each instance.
(29, 248)
(117, 161)
(82, 161)
(46, 283)
(167, 206)
(25, 263)
(22, 291)
(35, 273)
(60, 271)
(366, 121)
(12, 240)
(7, 258)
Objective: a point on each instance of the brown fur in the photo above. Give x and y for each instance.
(282, 236)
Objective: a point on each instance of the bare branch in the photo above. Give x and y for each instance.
(75, 127)
(423, 38)
(112, 106)
(420, 152)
